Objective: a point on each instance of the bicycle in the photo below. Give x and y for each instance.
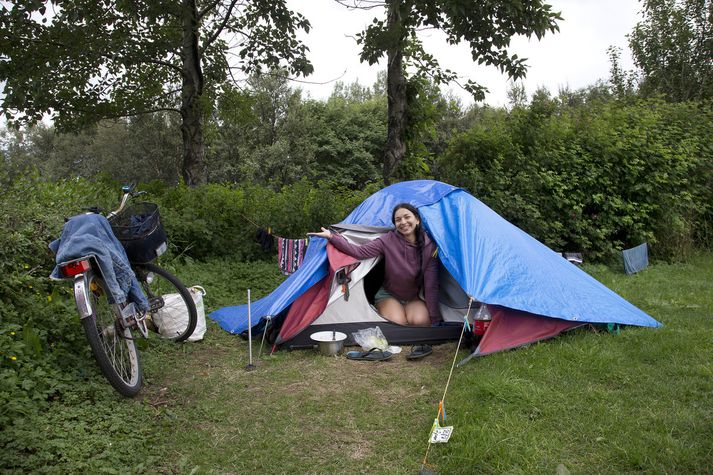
(112, 328)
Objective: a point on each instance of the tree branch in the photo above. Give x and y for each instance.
(165, 63)
(131, 113)
(207, 9)
(361, 4)
(288, 78)
(220, 28)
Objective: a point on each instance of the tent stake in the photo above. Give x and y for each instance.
(250, 365)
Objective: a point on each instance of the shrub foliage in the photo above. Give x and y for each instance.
(597, 178)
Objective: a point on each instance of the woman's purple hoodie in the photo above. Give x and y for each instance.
(401, 266)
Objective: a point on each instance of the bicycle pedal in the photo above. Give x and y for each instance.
(141, 326)
(155, 304)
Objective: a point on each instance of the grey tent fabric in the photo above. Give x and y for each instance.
(636, 258)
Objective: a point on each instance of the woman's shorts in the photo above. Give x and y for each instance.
(383, 294)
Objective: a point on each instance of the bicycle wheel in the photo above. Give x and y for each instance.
(113, 348)
(173, 310)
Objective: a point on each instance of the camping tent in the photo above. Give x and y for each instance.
(531, 291)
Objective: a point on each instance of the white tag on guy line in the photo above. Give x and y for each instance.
(441, 434)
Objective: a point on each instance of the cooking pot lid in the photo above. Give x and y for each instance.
(327, 336)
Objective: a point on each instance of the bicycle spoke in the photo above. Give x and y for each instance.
(116, 345)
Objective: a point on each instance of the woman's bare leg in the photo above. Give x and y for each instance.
(417, 313)
(391, 309)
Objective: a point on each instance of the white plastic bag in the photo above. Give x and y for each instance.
(173, 316)
(198, 292)
(369, 338)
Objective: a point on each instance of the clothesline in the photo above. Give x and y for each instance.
(266, 238)
(262, 230)
(249, 220)
(290, 252)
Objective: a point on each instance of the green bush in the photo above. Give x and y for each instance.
(596, 178)
(219, 220)
(45, 366)
(39, 331)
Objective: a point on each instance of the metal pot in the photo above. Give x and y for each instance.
(329, 342)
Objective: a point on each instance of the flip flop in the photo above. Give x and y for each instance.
(375, 354)
(419, 351)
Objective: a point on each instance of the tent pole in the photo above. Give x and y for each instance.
(250, 365)
(267, 325)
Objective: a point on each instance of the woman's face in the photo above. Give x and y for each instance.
(405, 222)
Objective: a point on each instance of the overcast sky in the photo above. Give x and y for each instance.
(575, 56)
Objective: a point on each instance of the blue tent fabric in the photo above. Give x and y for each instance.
(497, 263)
(313, 269)
(636, 258)
(493, 261)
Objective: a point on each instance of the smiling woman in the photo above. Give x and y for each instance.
(409, 293)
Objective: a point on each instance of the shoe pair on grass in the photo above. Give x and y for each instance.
(376, 354)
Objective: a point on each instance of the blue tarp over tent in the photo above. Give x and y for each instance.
(493, 261)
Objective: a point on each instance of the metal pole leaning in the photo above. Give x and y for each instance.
(250, 365)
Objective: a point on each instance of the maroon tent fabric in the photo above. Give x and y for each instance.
(512, 328)
(312, 303)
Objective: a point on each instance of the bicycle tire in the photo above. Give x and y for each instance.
(113, 349)
(174, 302)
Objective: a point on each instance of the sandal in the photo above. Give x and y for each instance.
(375, 354)
(419, 351)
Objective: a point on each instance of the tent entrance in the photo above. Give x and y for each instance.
(373, 281)
(357, 311)
(395, 334)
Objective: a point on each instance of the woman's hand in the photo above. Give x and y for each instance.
(325, 233)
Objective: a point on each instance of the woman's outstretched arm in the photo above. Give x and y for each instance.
(373, 248)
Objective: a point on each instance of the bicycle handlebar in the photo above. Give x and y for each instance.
(128, 194)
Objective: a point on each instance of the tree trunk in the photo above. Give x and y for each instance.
(193, 168)
(395, 148)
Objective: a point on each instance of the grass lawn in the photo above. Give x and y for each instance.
(586, 402)
(637, 402)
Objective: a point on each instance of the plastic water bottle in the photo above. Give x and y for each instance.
(481, 322)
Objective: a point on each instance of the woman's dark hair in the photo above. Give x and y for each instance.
(419, 236)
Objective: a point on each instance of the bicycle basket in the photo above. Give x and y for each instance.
(139, 229)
